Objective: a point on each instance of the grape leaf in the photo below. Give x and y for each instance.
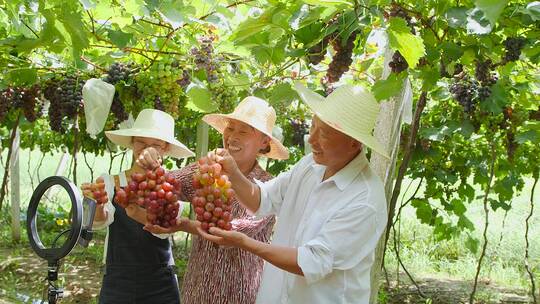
(389, 87)
(423, 210)
(497, 100)
(533, 10)
(73, 24)
(282, 93)
(119, 38)
(200, 98)
(410, 46)
(22, 76)
(472, 244)
(530, 135)
(492, 8)
(174, 13)
(329, 3)
(457, 17)
(253, 26)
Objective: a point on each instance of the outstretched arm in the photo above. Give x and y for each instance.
(282, 257)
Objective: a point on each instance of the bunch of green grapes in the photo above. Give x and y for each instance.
(225, 97)
(158, 88)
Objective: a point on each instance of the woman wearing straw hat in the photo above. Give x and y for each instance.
(230, 275)
(138, 265)
(331, 207)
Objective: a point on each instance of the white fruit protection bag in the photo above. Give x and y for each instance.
(98, 96)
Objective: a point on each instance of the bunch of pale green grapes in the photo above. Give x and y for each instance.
(225, 97)
(158, 88)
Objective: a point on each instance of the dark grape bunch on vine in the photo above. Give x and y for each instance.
(65, 97)
(299, 128)
(464, 91)
(398, 63)
(158, 105)
(342, 58)
(513, 46)
(185, 80)
(26, 99)
(317, 52)
(483, 73)
(4, 105)
(118, 72)
(205, 58)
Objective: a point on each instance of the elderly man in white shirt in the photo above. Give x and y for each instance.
(331, 207)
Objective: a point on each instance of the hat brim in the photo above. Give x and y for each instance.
(124, 138)
(219, 122)
(316, 103)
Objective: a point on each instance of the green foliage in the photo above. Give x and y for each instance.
(261, 47)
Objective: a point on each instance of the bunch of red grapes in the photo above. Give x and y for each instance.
(96, 191)
(213, 195)
(157, 191)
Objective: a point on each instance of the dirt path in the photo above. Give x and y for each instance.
(448, 291)
(23, 271)
(26, 272)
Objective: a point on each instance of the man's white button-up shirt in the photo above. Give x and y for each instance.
(335, 224)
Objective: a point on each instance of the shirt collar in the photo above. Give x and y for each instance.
(347, 174)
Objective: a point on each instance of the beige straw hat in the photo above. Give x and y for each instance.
(256, 113)
(349, 109)
(153, 124)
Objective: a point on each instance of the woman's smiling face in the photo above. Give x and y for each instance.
(243, 141)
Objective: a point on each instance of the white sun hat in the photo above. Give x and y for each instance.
(352, 110)
(257, 113)
(152, 124)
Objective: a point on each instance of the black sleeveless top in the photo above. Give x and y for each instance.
(139, 266)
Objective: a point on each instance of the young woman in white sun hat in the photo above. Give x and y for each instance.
(230, 275)
(138, 265)
(331, 207)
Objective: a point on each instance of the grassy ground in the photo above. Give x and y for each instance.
(504, 264)
(444, 269)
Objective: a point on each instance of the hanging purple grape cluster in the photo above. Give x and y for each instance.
(464, 91)
(26, 99)
(342, 58)
(398, 63)
(205, 59)
(317, 52)
(300, 128)
(118, 72)
(65, 97)
(513, 46)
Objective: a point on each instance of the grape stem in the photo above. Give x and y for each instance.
(405, 162)
(486, 222)
(28, 27)
(93, 64)
(527, 266)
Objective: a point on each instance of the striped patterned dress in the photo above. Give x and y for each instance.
(225, 275)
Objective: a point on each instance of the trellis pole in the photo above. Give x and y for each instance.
(15, 193)
(393, 113)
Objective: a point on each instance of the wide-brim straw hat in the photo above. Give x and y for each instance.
(257, 113)
(352, 110)
(154, 124)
